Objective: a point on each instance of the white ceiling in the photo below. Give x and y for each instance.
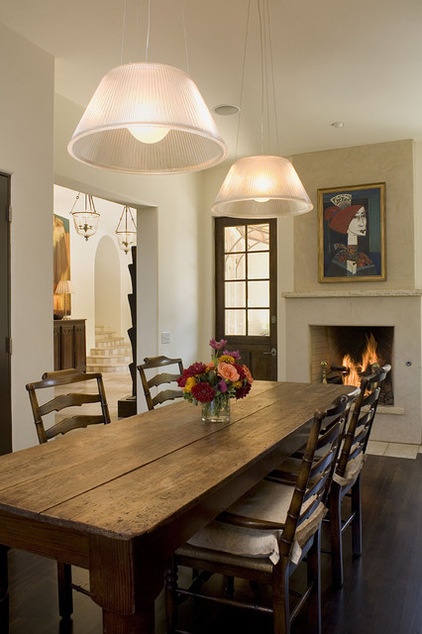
(357, 62)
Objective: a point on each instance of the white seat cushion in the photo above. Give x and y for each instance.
(267, 501)
(353, 469)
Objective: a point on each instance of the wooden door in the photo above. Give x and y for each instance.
(246, 291)
(5, 346)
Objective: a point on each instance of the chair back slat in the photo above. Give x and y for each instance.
(151, 382)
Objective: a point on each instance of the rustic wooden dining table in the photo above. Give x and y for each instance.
(119, 499)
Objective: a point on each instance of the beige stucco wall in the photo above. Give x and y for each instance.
(26, 153)
(391, 163)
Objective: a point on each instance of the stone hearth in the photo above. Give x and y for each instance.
(400, 310)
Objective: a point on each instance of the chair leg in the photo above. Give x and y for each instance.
(336, 536)
(4, 590)
(314, 581)
(280, 598)
(64, 580)
(171, 599)
(357, 519)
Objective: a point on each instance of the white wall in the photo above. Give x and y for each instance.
(26, 152)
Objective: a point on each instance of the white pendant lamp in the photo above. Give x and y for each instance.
(147, 118)
(262, 186)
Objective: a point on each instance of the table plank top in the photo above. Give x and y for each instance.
(133, 476)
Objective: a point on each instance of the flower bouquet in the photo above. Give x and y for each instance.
(213, 384)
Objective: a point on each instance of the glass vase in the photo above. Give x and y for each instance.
(217, 411)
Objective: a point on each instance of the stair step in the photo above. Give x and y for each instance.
(105, 369)
(110, 343)
(117, 351)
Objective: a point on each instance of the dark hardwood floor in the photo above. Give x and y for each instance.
(382, 593)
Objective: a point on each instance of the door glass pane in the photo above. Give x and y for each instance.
(259, 237)
(258, 265)
(259, 294)
(234, 239)
(235, 322)
(259, 323)
(235, 294)
(235, 266)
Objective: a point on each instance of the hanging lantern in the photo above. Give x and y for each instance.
(126, 230)
(86, 220)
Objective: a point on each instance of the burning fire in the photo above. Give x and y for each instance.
(354, 370)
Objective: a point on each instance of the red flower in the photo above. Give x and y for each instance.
(203, 392)
(241, 392)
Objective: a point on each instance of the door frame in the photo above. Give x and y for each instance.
(271, 342)
(5, 318)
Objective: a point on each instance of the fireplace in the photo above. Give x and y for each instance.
(340, 354)
(395, 318)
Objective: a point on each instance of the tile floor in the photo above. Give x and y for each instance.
(119, 385)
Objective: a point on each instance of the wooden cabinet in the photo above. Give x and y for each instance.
(69, 344)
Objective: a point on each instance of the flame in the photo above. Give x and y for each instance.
(369, 358)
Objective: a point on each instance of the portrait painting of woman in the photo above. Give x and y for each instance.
(352, 233)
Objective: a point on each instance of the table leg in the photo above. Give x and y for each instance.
(124, 584)
(4, 591)
(139, 623)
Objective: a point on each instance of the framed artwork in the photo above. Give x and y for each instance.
(351, 233)
(61, 258)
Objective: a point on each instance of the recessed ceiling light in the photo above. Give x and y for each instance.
(337, 124)
(226, 109)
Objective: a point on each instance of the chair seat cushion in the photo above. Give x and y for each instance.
(267, 501)
(353, 469)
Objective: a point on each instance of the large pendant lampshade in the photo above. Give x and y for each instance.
(147, 118)
(262, 187)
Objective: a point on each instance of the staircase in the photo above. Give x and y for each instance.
(112, 353)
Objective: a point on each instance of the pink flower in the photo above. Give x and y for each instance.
(228, 372)
(248, 374)
(218, 345)
(232, 353)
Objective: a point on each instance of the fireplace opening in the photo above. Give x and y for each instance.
(340, 354)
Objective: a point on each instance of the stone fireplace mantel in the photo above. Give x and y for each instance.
(354, 293)
(400, 309)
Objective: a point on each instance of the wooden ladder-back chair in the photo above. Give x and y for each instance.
(347, 476)
(150, 382)
(91, 391)
(267, 533)
(59, 402)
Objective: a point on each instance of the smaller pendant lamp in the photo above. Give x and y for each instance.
(126, 230)
(147, 118)
(86, 220)
(262, 187)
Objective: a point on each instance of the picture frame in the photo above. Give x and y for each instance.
(351, 233)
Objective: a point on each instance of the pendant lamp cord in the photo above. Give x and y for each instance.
(242, 84)
(148, 31)
(267, 77)
(185, 39)
(122, 50)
